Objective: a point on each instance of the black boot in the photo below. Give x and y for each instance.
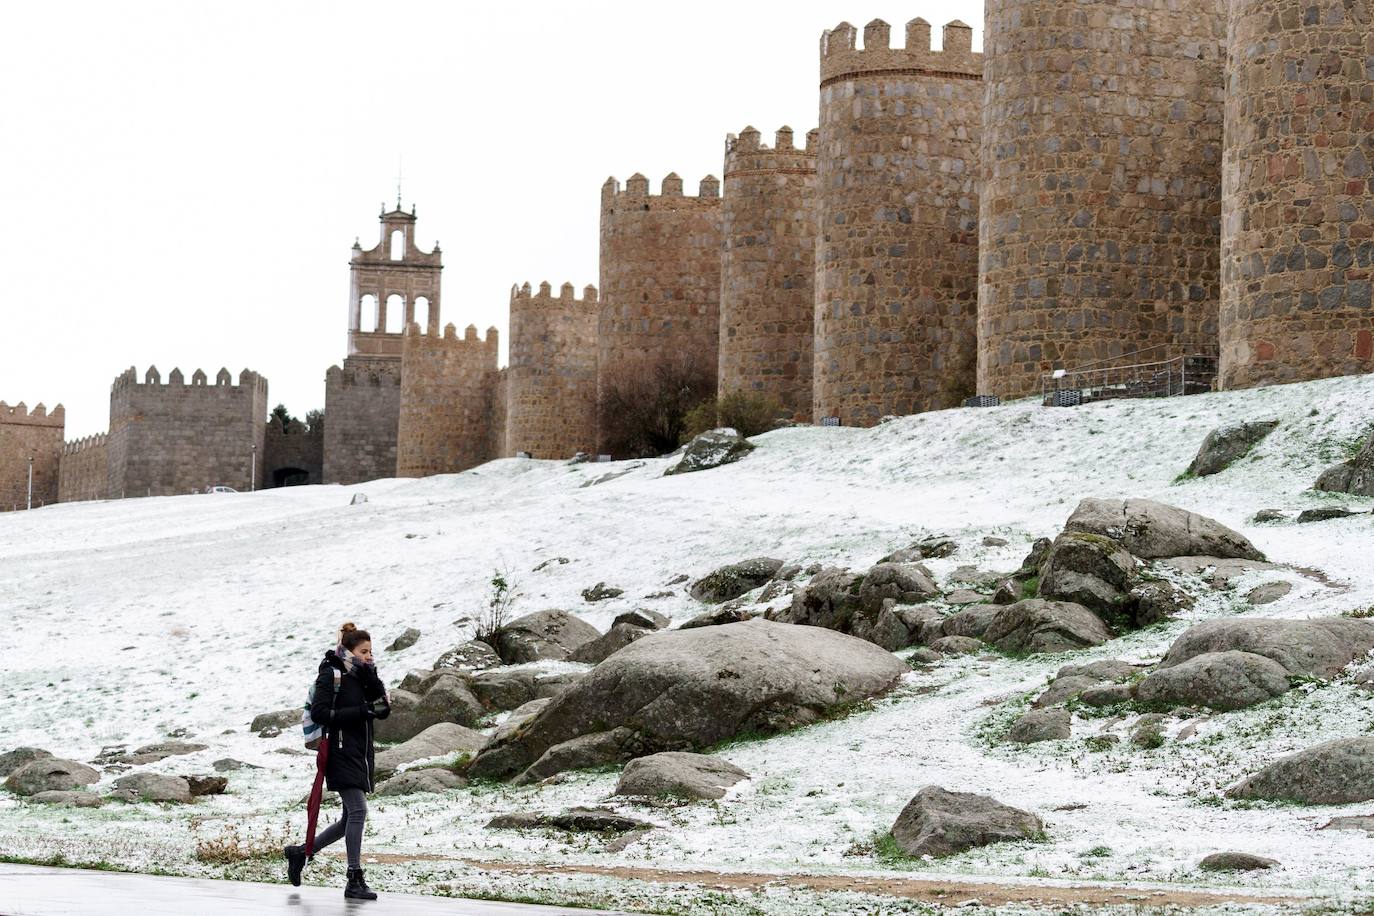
(295, 861)
(357, 887)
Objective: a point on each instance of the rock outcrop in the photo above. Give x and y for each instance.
(690, 689)
(734, 580)
(939, 823)
(1226, 445)
(711, 450)
(50, 774)
(679, 774)
(1355, 476)
(1338, 772)
(551, 634)
(1152, 530)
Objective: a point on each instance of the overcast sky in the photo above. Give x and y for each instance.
(184, 181)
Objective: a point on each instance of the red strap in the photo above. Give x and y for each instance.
(312, 807)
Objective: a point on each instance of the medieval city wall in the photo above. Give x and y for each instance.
(660, 278)
(500, 399)
(551, 379)
(1101, 193)
(85, 470)
(180, 437)
(294, 454)
(26, 434)
(362, 409)
(897, 222)
(447, 385)
(1298, 192)
(768, 270)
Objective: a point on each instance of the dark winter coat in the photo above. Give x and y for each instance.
(349, 725)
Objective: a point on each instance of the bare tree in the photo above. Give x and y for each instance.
(643, 407)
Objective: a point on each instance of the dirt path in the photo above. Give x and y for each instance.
(927, 890)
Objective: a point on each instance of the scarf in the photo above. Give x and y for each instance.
(348, 659)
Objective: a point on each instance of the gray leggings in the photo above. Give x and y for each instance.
(350, 827)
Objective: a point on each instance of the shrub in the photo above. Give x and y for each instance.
(748, 414)
(229, 845)
(642, 407)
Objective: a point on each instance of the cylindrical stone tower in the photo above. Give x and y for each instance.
(660, 281)
(897, 205)
(551, 380)
(768, 266)
(1298, 192)
(1101, 203)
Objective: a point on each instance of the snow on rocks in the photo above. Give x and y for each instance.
(423, 780)
(152, 787)
(439, 740)
(50, 774)
(734, 579)
(712, 449)
(1216, 680)
(551, 634)
(938, 823)
(1151, 530)
(1355, 476)
(692, 689)
(679, 774)
(1334, 773)
(1226, 445)
(1236, 861)
(473, 655)
(13, 760)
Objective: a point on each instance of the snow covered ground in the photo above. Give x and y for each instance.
(126, 620)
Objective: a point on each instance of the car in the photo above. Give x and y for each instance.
(221, 490)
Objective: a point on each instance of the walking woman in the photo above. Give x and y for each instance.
(347, 720)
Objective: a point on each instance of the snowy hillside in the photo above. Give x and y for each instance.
(125, 621)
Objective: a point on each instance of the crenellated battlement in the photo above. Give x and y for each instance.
(636, 191)
(841, 58)
(21, 415)
(415, 337)
(152, 378)
(746, 153)
(522, 296)
(85, 444)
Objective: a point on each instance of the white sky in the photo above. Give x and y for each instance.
(184, 180)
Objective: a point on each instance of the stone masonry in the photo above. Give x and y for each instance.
(897, 254)
(295, 455)
(660, 276)
(363, 397)
(362, 410)
(1298, 197)
(768, 270)
(176, 438)
(1100, 226)
(446, 402)
(550, 395)
(26, 434)
(85, 471)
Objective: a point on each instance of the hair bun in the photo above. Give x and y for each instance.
(348, 627)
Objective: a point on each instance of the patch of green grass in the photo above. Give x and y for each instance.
(886, 850)
(1031, 587)
(1359, 613)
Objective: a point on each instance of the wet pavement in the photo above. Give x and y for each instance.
(31, 890)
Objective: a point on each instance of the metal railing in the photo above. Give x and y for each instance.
(1190, 373)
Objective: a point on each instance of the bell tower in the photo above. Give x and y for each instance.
(391, 285)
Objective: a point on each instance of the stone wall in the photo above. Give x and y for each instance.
(1101, 192)
(500, 399)
(768, 270)
(362, 410)
(1298, 198)
(26, 434)
(660, 277)
(176, 438)
(447, 386)
(551, 380)
(294, 454)
(85, 470)
(897, 203)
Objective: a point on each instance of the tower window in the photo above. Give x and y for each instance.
(398, 245)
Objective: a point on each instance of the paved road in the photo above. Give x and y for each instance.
(31, 890)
